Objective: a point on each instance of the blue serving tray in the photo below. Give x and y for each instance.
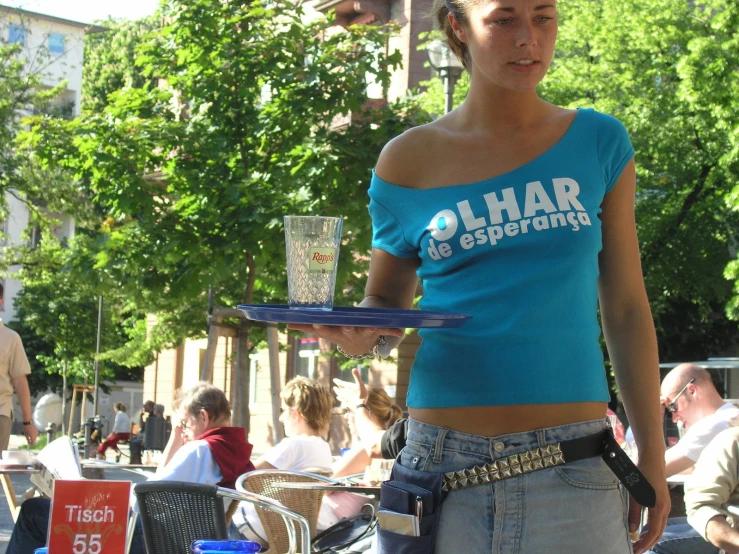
(353, 316)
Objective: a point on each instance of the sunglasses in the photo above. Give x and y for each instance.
(672, 406)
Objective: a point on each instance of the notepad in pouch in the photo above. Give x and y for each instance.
(402, 524)
(402, 497)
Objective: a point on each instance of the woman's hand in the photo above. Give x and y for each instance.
(352, 340)
(351, 395)
(653, 468)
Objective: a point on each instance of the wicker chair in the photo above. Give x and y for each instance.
(174, 514)
(305, 502)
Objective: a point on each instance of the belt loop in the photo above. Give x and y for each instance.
(541, 437)
(439, 444)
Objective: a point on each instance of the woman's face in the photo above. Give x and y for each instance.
(289, 417)
(192, 426)
(511, 42)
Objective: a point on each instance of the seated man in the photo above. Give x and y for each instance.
(136, 444)
(204, 449)
(688, 393)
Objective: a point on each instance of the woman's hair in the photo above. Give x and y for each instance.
(312, 400)
(382, 408)
(120, 406)
(460, 9)
(204, 396)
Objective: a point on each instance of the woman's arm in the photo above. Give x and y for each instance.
(632, 345)
(353, 462)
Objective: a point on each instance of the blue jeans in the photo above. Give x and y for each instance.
(32, 526)
(681, 538)
(574, 508)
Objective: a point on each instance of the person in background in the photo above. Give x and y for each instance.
(136, 444)
(14, 367)
(688, 393)
(377, 413)
(712, 489)
(306, 414)
(204, 448)
(121, 431)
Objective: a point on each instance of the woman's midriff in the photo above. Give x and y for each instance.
(492, 421)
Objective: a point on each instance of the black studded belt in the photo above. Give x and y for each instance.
(551, 455)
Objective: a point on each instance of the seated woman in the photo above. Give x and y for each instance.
(203, 448)
(306, 413)
(121, 430)
(370, 413)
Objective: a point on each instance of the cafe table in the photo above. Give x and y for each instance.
(10, 497)
(371, 490)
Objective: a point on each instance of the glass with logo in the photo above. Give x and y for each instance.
(312, 247)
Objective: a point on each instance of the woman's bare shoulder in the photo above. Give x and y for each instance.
(409, 158)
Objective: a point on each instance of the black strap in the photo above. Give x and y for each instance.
(604, 443)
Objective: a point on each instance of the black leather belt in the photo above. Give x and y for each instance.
(563, 452)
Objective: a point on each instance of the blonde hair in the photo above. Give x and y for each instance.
(382, 408)
(460, 9)
(312, 400)
(204, 396)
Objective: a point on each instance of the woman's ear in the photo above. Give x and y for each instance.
(206, 418)
(457, 28)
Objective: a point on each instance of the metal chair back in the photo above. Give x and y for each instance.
(305, 502)
(174, 514)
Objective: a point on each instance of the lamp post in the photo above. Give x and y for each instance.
(443, 60)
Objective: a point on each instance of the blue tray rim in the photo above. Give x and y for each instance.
(355, 316)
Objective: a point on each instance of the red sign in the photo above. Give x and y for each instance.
(89, 517)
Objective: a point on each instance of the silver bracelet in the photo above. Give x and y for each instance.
(371, 354)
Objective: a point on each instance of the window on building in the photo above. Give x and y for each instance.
(16, 34)
(56, 43)
(307, 353)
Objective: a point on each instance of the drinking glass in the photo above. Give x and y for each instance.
(312, 247)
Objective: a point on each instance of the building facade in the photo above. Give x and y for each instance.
(54, 49)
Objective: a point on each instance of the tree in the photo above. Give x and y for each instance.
(196, 174)
(110, 60)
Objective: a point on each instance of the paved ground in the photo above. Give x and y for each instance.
(22, 482)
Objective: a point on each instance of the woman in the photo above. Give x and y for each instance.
(121, 430)
(381, 412)
(203, 448)
(306, 415)
(521, 214)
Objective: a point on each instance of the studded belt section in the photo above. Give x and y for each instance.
(526, 462)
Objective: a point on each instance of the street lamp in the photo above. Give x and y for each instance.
(443, 60)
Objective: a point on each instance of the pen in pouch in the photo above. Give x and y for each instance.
(419, 508)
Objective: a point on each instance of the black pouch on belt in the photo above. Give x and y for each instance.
(411, 492)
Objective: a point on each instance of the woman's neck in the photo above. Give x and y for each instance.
(489, 107)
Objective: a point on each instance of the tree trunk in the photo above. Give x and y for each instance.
(273, 343)
(206, 372)
(241, 415)
(240, 408)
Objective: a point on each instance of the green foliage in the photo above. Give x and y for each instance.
(57, 313)
(110, 60)
(194, 176)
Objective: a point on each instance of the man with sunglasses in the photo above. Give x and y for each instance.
(689, 396)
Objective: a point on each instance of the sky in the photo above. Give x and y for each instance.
(87, 11)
